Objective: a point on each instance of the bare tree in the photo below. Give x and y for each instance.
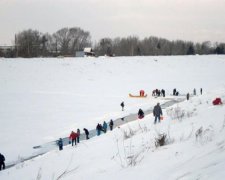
(68, 40)
(29, 43)
(105, 47)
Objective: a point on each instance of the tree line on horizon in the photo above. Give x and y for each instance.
(66, 41)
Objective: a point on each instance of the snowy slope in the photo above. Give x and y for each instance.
(44, 99)
(116, 156)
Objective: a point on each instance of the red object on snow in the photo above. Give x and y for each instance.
(73, 135)
(141, 117)
(217, 101)
(142, 92)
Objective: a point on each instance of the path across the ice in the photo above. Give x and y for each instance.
(42, 149)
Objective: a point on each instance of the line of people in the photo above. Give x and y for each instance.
(194, 93)
(157, 112)
(103, 128)
(157, 92)
(74, 138)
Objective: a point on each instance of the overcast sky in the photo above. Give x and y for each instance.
(195, 20)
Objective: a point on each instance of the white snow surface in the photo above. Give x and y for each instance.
(42, 99)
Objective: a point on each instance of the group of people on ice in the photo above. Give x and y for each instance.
(103, 128)
(194, 93)
(157, 93)
(74, 138)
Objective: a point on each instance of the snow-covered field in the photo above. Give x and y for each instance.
(44, 99)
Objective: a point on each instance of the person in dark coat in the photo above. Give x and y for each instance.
(122, 105)
(201, 91)
(163, 92)
(98, 129)
(78, 135)
(159, 93)
(157, 111)
(2, 161)
(105, 126)
(73, 138)
(174, 92)
(60, 144)
(156, 92)
(111, 125)
(188, 95)
(153, 92)
(194, 91)
(140, 114)
(86, 133)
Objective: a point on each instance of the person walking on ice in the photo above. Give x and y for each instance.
(60, 144)
(98, 129)
(73, 138)
(86, 133)
(157, 111)
(78, 135)
(194, 92)
(105, 126)
(2, 162)
(122, 105)
(111, 125)
(188, 96)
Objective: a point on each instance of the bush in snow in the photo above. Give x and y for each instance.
(161, 140)
(175, 113)
(135, 158)
(128, 153)
(198, 133)
(204, 135)
(178, 113)
(128, 133)
(39, 174)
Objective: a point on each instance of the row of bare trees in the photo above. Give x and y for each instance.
(133, 46)
(66, 41)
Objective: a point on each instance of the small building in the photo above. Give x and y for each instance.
(88, 51)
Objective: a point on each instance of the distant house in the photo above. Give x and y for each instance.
(86, 52)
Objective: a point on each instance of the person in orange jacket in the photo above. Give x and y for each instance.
(73, 138)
